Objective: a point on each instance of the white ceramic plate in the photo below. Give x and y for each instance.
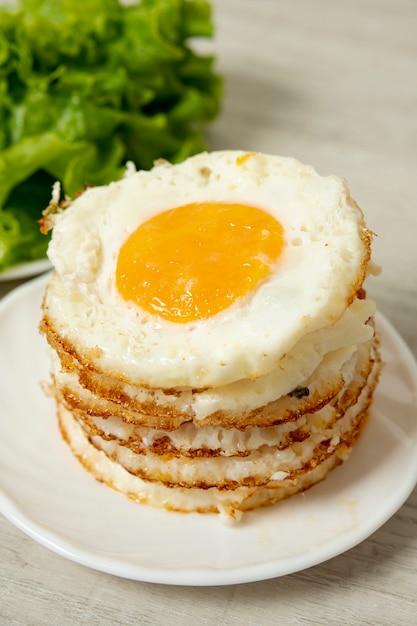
(25, 270)
(47, 494)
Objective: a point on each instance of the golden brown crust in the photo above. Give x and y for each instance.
(247, 496)
(156, 469)
(162, 444)
(108, 396)
(223, 494)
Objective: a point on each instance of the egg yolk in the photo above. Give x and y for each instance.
(193, 261)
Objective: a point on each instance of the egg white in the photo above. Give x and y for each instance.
(327, 249)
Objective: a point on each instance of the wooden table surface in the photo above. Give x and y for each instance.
(335, 85)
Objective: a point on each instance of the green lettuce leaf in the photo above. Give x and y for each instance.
(86, 85)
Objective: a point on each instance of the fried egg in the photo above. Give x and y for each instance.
(207, 272)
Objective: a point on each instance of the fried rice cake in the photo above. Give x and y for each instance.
(212, 345)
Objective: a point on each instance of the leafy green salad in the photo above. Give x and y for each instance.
(87, 85)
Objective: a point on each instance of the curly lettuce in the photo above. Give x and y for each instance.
(86, 85)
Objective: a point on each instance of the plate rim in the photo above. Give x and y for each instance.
(26, 269)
